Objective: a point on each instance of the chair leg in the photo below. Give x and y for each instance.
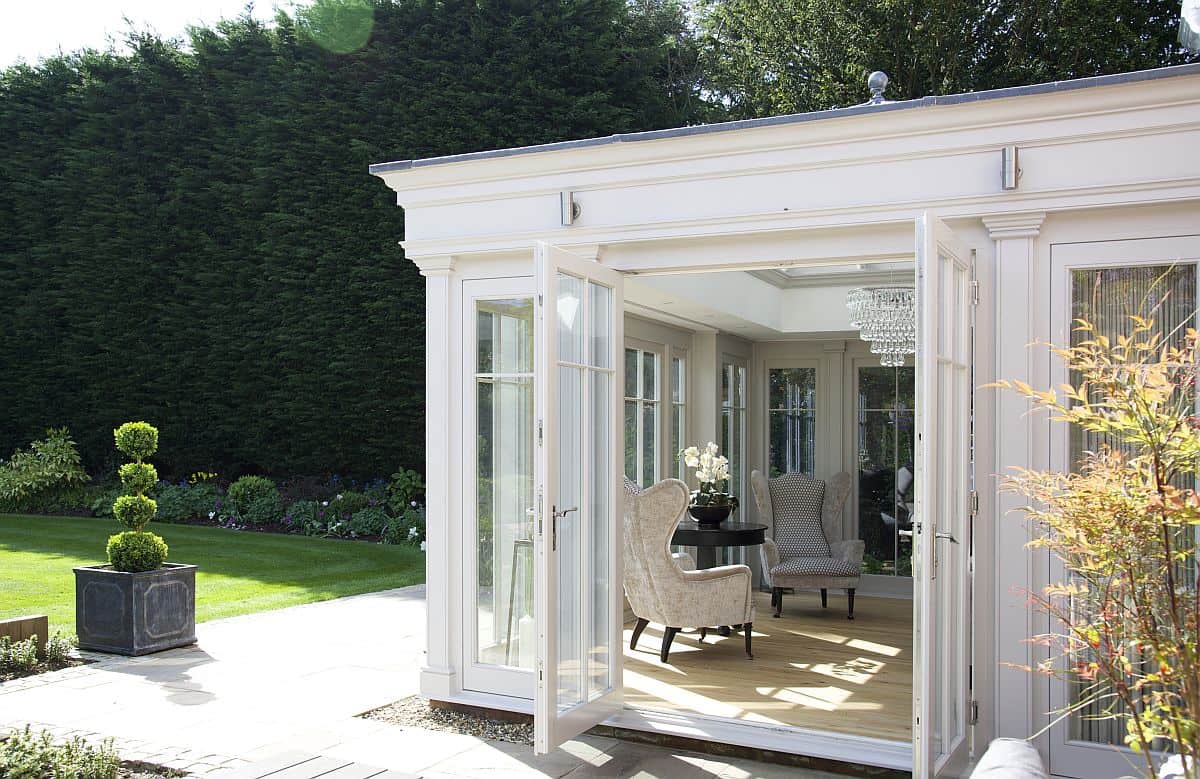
(703, 633)
(637, 632)
(746, 627)
(824, 598)
(778, 602)
(850, 597)
(668, 637)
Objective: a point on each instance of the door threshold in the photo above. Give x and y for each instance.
(802, 747)
(823, 750)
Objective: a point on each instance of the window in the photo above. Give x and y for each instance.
(503, 399)
(733, 423)
(885, 452)
(641, 416)
(678, 413)
(1107, 297)
(791, 420)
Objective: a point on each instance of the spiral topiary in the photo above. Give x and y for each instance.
(135, 550)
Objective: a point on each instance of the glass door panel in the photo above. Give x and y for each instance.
(885, 439)
(941, 525)
(578, 568)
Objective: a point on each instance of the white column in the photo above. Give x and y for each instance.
(1021, 302)
(438, 674)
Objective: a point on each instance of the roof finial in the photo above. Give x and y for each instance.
(877, 82)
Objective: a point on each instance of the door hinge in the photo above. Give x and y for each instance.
(539, 670)
(974, 292)
(540, 300)
(974, 713)
(974, 503)
(539, 432)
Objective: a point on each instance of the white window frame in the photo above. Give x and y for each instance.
(661, 431)
(804, 363)
(674, 463)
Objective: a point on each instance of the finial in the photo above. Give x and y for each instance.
(877, 82)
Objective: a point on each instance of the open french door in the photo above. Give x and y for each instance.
(942, 530)
(579, 462)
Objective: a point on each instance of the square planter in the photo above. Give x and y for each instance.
(135, 613)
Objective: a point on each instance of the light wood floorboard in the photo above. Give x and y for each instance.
(812, 668)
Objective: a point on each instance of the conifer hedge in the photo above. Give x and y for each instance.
(188, 232)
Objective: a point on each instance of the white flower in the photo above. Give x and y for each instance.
(422, 546)
(712, 448)
(412, 532)
(413, 504)
(339, 497)
(212, 514)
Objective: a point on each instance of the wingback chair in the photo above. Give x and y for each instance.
(805, 513)
(660, 586)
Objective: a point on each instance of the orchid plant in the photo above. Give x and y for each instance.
(712, 472)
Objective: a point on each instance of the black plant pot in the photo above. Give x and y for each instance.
(711, 516)
(135, 613)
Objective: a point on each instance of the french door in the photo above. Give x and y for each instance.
(579, 462)
(942, 526)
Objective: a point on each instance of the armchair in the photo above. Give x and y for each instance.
(803, 514)
(661, 587)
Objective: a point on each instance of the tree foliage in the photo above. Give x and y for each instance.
(188, 231)
(802, 55)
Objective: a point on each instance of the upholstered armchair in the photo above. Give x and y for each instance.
(804, 514)
(662, 588)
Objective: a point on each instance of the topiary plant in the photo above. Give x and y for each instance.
(135, 550)
(256, 500)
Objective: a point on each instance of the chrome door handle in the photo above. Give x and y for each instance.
(905, 533)
(555, 515)
(948, 536)
(565, 512)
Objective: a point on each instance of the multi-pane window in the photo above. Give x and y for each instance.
(791, 420)
(504, 482)
(641, 416)
(886, 450)
(678, 414)
(733, 422)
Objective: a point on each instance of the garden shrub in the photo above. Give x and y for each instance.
(407, 528)
(404, 488)
(345, 505)
(136, 550)
(371, 521)
(26, 755)
(256, 500)
(301, 517)
(180, 502)
(18, 655)
(58, 648)
(50, 464)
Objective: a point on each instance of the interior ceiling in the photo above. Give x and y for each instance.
(762, 305)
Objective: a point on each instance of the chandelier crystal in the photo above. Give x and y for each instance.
(886, 317)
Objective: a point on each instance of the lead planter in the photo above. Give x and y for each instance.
(135, 613)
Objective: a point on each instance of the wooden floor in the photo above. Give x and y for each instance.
(812, 668)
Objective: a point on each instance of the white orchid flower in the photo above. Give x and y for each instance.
(712, 448)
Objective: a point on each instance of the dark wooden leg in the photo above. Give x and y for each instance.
(778, 602)
(724, 631)
(637, 632)
(703, 633)
(706, 557)
(824, 598)
(668, 637)
(850, 597)
(746, 627)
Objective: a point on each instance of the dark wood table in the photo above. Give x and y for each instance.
(708, 540)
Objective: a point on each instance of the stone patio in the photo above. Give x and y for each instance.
(292, 681)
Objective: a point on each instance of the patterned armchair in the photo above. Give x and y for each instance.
(661, 587)
(804, 513)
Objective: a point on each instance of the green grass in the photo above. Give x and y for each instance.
(240, 572)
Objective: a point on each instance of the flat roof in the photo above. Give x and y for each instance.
(810, 116)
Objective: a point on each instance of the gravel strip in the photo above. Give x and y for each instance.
(415, 712)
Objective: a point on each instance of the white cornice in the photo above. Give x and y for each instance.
(1025, 225)
(434, 264)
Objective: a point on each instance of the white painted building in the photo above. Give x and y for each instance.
(696, 268)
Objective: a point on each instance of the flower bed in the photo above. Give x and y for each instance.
(19, 659)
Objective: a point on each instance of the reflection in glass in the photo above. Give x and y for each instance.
(733, 440)
(641, 416)
(678, 414)
(504, 483)
(791, 414)
(886, 451)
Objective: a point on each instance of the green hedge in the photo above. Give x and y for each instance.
(189, 234)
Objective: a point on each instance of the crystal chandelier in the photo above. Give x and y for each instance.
(886, 317)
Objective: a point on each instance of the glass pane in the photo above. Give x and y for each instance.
(649, 444)
(877, 485)
(739, 386)
(600, 549)
(601, 309)
(631, 373)
(504, 336)
(570, 326)
(877, 388)
(791, 442)
(1107, 297)
(677, 379)
(678, 411)
(570, 543)
(504, 547)
(649, 375)
(726, 385)
(631, 441)
(792, 388)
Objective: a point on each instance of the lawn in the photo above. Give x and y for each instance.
(240, 572)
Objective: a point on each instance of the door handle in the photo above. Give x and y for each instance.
(905, 533)
(565, 512)
(555, 515)
(946, 535)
